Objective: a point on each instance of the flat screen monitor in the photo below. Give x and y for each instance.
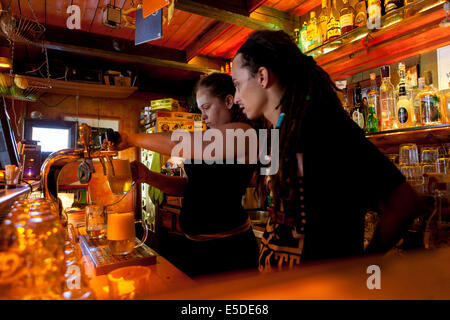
(52, 135)
(8, 146)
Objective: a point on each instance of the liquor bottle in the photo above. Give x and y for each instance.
(360, 13)
(404, 108)
(343, 96)
(297, 38)
(390, 5)
(430, 103)
(447, 106)
(374, 10)
(387, 101)
(304, 37)
(373, 100)
(416, 102)
(312, 32)
(357, 112)
(347, 18)
(323, 20)
(333, 26)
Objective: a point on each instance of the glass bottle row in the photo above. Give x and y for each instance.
(386, 108)
(333, 23)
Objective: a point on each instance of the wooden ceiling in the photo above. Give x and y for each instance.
(193, 33)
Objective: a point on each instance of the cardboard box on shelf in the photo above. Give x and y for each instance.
(165, 104)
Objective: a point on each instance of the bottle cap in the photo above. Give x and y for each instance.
(385, 71)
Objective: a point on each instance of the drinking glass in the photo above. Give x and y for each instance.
(429, 155)
(408, 154)
(443, 165)
(95, 222)
(414, 176)
(120, 181)
(121, 233)
(129, 283)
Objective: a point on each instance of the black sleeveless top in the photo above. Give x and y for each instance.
(212, 201)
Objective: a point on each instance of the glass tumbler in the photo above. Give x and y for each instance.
(408, 154)
(429, 157)
(95, 222)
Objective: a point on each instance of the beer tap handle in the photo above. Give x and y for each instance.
(102, 161)
(111, 164)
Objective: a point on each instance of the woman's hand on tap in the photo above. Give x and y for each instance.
(123, 142)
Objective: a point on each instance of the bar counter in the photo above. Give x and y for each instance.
(416, 274)
(424, 274)
(164, 275)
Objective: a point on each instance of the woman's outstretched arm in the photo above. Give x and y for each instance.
(174, 186)
(230, 139)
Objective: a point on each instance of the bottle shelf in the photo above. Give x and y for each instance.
(389, 141)
(410, 30)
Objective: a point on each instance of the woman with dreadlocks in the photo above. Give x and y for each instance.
(329, 173)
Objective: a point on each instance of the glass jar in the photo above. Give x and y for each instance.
(14, 271)
(46, 242)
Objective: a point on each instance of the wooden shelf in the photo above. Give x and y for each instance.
(389, 141)
(82, 89)
(402, 35)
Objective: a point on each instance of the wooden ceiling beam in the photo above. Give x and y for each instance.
(286, 21)
(210, 9)
(122, 56)
(97, 41)
(86, 43)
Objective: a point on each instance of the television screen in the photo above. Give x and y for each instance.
(8, 148)
(52, 135)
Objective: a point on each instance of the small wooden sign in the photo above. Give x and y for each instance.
(104, 262)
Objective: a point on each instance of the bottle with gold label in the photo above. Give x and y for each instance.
(333, 26)
(347, 17)
(405, 112)
(360, 13)
(323, 20)
(312, 32)
(374, 11)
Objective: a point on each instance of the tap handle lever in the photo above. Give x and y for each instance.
(102, 161)
(109, 158)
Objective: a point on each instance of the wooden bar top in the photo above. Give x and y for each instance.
(164, 275)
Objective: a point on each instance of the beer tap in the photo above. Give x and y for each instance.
(56, 161)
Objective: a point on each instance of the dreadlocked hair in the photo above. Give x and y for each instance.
(306, 86)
